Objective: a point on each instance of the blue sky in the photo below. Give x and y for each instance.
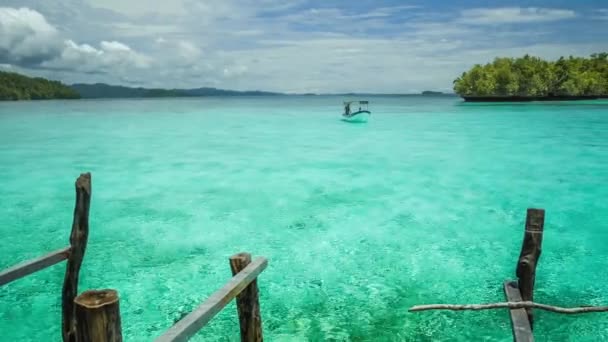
(290, 46)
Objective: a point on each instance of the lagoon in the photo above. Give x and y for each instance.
(423, 204)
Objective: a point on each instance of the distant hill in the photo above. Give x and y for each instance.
(102, 90)
(14, 86)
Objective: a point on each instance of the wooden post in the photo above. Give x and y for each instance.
(528, 258)
(98, 316)
(78, 244)
(247, 302)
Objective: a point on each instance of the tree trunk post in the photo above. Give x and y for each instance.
(78, 244)
(530, 253)
(98, 316)
(247, 302)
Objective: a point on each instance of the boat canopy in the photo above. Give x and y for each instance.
(362, 105)
(362, 108)
(360, 102)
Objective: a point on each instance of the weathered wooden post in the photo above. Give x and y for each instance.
(528, 258)
(248, 303)
(98, 316)
(78, 244)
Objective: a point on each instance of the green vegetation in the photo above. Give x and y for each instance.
(530, 76)
(14, 87)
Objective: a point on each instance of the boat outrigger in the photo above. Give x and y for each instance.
(361, 115)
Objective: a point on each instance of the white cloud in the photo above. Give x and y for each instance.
(248, 33)
(602, 14)
(110, 56)
(127, 29)
(340, 20)
(382, 12)
(141, 7)
(26, 37)
(490, 16)
(184, 54)
(115, 46)
(235, 71)
(188, 50)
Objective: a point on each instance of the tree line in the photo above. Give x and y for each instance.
(14, 87)
(530, 76)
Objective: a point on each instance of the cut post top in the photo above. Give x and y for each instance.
(84, 182)
(94, 299)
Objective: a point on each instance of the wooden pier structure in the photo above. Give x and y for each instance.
(520, 293)
(94, 315)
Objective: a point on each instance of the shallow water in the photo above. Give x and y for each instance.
(423, 204)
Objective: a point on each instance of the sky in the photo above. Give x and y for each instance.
(298, 46)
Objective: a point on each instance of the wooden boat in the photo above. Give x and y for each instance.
(360, 115)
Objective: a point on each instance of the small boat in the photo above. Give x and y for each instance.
(360, 115)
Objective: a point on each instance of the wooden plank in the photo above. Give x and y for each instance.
(78, 243)
(28, 267)
(98, 316)
(529, 255)
(194, 321)
(522, 331)
(247, 302)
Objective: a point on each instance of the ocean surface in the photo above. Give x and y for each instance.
(424, 204)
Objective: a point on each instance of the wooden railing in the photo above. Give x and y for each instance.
(520, 293)
(243, 286)
(98, 313)
(94, 315)
(34, 265)
(73, 254)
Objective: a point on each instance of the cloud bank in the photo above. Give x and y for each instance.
(496, 16)
(28, 40)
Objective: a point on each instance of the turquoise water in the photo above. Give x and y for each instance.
(424, 204)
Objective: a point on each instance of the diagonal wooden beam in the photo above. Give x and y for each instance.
(522, 331)
(28, 267)
(194, 321)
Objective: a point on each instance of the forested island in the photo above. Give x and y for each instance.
(15, 87)
(530, 78)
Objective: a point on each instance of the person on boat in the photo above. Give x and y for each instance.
(347, 109)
